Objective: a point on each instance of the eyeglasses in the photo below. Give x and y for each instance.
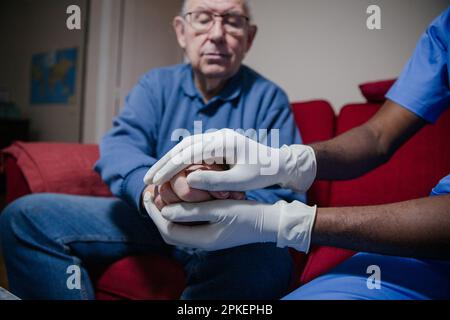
(203, 21)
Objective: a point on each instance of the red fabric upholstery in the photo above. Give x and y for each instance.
(315, 120)
(322, 259)
(141, 278)
(374, 92)
(411, 173)
(59, 168)
(16, 184)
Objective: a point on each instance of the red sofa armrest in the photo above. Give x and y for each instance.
(52, 167)
(16, 184)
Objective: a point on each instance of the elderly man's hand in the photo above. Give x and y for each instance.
(177, 190)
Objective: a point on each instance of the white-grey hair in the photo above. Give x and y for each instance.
(246, 5)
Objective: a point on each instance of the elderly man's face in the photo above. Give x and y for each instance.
(217, 52)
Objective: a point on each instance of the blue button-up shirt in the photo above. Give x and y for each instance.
(166, 104)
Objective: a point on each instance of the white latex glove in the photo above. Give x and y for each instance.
(233, 223)
(252, 165)
(172, 233)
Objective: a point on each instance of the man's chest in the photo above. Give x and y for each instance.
(190, 118)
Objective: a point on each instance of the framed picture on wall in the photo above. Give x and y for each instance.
(53, 77)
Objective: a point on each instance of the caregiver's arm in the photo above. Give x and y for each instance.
(347, 156)
(417, 228)
(364, 148)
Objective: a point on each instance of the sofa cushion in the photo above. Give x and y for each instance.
(58, 168)
(375, 92)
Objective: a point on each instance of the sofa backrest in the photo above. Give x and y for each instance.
(411, 173)
(316, 122)
(52, 167)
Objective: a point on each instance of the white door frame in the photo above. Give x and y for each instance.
(102, 79)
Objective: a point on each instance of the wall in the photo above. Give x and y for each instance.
(312, 48)
(126, 39)
(322, 48)
(149, 40)
(101, 68)
(28, 27)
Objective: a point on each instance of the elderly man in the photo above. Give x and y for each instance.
(42, 235)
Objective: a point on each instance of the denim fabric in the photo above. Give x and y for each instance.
(42, 235)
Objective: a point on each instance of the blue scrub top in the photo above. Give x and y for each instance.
(423, 87)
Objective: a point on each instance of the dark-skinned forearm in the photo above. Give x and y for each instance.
(348, 156)
(417, 228)
(364, 148)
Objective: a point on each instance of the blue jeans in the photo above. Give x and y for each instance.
(42, 235)
(399, 279)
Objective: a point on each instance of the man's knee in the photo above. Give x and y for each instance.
(17, 215)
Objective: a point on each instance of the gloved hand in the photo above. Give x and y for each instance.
(233, 223)
(252, 165)
(172, 233)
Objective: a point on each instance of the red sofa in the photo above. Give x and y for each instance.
(411, 173)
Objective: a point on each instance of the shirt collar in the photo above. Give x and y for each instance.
(231, 91)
